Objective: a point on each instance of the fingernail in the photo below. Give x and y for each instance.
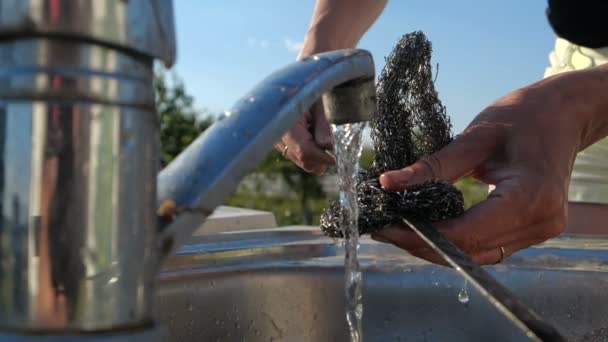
(400, 177)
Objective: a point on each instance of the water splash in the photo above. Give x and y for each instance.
(347, 141)
(463, 295)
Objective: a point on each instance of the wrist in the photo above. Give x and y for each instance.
(319, 39)
(585, 95)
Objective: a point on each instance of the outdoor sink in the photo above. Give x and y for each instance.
(287, 285)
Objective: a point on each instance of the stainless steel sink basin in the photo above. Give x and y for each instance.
(287, 285)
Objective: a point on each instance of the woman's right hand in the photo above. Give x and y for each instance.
(335, 25)
(308, 143)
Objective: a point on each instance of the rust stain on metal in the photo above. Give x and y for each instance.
(168, 209)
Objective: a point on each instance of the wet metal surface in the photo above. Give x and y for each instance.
(287, 285)
(511, 307)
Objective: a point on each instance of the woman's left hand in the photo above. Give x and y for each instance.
(524, 144)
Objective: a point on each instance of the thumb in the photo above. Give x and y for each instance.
(460, 157)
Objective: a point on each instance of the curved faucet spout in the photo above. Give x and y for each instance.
(210, 169)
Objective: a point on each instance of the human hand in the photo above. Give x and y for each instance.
(308, 143)
(335, 24)
(524, 144)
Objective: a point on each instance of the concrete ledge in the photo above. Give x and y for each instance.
(227, 219)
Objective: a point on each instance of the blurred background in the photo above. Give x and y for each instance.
(483, 49)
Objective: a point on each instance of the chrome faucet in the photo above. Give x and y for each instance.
(85, 218)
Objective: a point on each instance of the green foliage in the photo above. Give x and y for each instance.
(286, 208)
(473, 190)
(303, 195)
(367, 158)
(180, 122)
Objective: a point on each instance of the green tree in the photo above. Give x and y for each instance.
(180, 122)
(305, 186)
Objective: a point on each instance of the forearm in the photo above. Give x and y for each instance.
(339, 24)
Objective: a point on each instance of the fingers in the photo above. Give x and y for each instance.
(481, 231)
(488, 256)
(497, 215)
(304, 151)
(321, 128)
(309, 142)
(495, 255)
(458, 158)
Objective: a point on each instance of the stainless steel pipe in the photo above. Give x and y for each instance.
(78, 162)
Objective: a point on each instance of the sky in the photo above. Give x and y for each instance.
(484, 48)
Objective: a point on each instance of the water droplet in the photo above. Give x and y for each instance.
(252, 99)
(463, 295)
(359, 310)
(355, 277)
(190, 307)
(339, 242)
(283, 89)
(237, 325)
(217, 321)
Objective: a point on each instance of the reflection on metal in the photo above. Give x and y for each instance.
(77, 243)
(139, 26)
(78, 162)
(354, 101)
(513, 309)
(47, 69)
(150, 334)
(288, 284)
(210, 169)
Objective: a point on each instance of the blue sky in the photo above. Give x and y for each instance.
(484, 48)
